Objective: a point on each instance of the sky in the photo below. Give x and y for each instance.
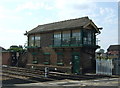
(19, 16)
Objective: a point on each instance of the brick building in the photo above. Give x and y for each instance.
(114, 51)
(65, 46)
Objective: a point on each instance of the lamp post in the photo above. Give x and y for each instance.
(17, 55)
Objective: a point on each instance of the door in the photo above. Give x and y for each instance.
(76, 64)
(14, 59)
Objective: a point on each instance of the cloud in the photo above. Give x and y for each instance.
(8, 14)
(102, 11)
(3, 10)
(10, 37)
(31, 5)
(109, 15)
(68, 9)
(108, 19)
(71, 3)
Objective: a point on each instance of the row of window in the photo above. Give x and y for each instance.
(59, 59)
(88, 38)
(47, 59)
(75, 38)
(66, 38)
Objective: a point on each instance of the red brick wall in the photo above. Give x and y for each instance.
(87, 59)
(46, 39)
(67, 57)
(6, 58)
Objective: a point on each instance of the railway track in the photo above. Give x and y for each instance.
(24, 70)
(38, 76)
(59, 76)
(26, 74)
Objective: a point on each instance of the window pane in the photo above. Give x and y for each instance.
(47, 59)
(57, 38)
(93, 38)
(37, 40)
(85, 38)
(89, 38)
(66, 38)
(76, 37)
(60, 59)
(31, 40)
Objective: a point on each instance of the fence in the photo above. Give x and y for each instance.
(104, 66)
(116, 63)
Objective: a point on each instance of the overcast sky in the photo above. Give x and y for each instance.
(18, 16)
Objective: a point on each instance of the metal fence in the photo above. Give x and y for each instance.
(104, 66)
(116, 67)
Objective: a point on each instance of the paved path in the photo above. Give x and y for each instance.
(66, 82)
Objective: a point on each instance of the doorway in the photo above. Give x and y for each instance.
(76, 64)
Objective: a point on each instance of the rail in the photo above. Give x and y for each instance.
(38, 75)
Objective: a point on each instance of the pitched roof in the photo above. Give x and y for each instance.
(67, 24)
(114, 47)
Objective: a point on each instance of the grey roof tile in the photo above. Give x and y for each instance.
(72, 23)
(114, 47)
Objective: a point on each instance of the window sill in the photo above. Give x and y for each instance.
(46, 63)
(32, 47)
(66, 45)
(76, 45)
(60, 64)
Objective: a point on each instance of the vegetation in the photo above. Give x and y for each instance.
(15, 48)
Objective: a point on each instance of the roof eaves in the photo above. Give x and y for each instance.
(42, 31)
(92, 23)
(38, 28)
(113, 47)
